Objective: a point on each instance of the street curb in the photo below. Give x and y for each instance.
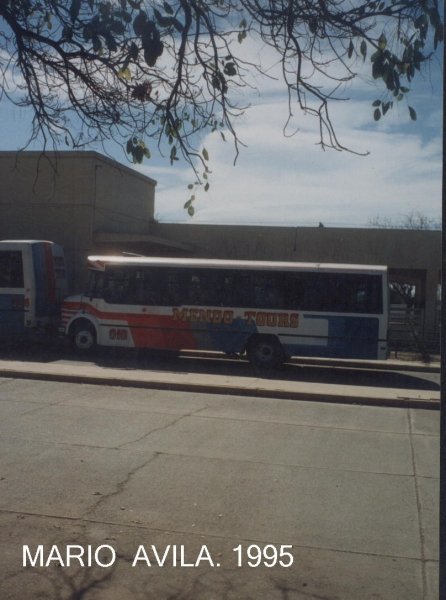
(398, 402)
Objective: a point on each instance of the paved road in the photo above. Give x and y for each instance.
(353, 489)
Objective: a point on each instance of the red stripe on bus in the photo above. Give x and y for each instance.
(147, 330)
(133, 319)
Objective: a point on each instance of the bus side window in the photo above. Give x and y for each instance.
(11, 269)
(372, 291)
(314, 291)
(340, 299)
(360, 297)
(293, 291)
(194, 293)
(171, 293)
(226, 290)
(149, 291)
(96, 284)
(215, 288)
(119, 286)
(242, 289)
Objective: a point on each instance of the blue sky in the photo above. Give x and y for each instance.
(290, 180)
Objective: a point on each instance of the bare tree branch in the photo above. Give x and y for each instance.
(171, 71)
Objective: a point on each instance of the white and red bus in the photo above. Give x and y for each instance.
(32, 285)
(270, 310)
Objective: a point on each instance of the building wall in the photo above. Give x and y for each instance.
(67, 197)
(395, 248)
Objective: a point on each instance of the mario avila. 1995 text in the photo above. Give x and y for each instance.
(170, 555)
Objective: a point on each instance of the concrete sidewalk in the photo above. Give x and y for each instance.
(260, 386)
(352, 489)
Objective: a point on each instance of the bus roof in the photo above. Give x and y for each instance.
(99, 262)
(25, 242)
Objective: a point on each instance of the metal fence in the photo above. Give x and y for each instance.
(407, 332)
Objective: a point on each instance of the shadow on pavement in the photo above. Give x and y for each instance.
(132, 359)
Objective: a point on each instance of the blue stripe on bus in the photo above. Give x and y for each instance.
(347, 337)
(225, 337)
(12, 313)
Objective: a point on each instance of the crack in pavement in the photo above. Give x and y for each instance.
(120, 485)
(162, 428)
(39, 407)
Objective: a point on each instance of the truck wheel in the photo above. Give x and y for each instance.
(265, 352)
(84, 337)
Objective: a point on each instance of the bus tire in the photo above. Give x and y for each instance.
(265, 352)
(83, 336)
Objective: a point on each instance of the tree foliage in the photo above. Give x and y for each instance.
(416, 221)
(164, 72)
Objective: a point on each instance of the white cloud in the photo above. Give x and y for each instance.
(292, 181)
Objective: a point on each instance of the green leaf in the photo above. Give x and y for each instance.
(190, 186)
(125, 74)
(386, 107)
(412, 113)
(178, 26)
(139, 23)
(313, 25)
(97, 45)
(363, 49)
(168, 8)
(133, 51)
(117, 27)
(205, 154)
(377, 114)
(173, 154)
(382, 42)
(138, 154)
(206, 187)
(229, 69)
(74, 9)
(350, 49)
(377, 103)
(377, 69)
(191, 211)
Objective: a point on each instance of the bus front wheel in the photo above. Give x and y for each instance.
(265, 352)
(83, 336)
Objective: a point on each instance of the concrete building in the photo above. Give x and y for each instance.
(65, 198)
(91, 204)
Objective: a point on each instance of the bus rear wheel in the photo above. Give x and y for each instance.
(83, 336)
(265, 352)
